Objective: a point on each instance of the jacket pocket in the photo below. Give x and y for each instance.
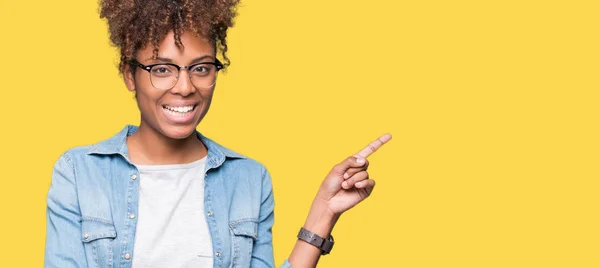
(244, 233)
(97, 237)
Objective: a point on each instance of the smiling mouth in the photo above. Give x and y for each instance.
(180, 111)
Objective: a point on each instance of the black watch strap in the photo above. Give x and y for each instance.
(324, 244)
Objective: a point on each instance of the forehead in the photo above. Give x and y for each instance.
(193, 47)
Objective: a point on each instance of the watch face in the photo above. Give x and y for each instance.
(327, 245)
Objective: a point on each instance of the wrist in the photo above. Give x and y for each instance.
(321, 219)
(324, 244)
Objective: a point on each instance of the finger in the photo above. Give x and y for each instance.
(358, 177)
(353, 170)
(366, 184)
(350, 162)
(374, 146)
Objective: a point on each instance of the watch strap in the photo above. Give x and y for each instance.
(324, 244)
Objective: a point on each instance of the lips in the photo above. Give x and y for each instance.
(179, 109)
(180, 114)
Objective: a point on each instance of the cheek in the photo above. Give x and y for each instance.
(207, 94)
(147, 98)
(207, 98)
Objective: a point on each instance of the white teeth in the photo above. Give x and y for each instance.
(183, 109)
(179, 111)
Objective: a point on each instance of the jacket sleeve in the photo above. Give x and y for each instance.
(262, 252)
(64, 247)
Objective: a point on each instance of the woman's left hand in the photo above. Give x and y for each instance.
(348, 182)
(346, 185)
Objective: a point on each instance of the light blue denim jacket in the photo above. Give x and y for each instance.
(93, 200)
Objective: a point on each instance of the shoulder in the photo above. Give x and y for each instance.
(233, 164)
(77, 152)
(113, 145)
(86, 155)
(226, 156)
(244, 163)
(74, 154)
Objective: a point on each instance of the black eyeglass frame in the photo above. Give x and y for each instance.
(148, 68)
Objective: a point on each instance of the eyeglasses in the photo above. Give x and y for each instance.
(165, 75)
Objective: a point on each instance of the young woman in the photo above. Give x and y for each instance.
(162, 194)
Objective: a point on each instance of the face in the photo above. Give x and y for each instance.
(167, 112)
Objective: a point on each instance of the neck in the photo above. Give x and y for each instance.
(150, 147)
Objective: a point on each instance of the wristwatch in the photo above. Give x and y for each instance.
(324, 244)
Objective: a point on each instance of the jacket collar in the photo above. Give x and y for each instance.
(117, 145)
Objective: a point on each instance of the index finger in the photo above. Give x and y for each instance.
(374, 146)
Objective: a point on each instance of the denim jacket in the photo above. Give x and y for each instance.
(93, 203)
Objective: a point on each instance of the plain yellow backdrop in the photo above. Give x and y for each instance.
(494, 108)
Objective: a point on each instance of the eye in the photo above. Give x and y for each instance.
(201, 69)
(162, 70)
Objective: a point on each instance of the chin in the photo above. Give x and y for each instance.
(178, 132)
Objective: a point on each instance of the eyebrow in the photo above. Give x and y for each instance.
(192, 62)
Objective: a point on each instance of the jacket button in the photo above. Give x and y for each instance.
(133, 177)
(127, 256)
(86, 236)
(209, 213)
(218, 254)
(132, 216)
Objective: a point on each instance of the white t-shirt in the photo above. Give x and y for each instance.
(171, 228)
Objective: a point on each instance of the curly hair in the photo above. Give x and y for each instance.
(133, 24)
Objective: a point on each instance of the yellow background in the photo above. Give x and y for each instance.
(494, 108)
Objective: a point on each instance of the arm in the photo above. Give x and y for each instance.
(345, 186)
(320, 221)
(262, 251)
(64, 247)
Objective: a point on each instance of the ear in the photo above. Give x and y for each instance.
(128, 77)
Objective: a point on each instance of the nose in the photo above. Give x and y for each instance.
(184, 86)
